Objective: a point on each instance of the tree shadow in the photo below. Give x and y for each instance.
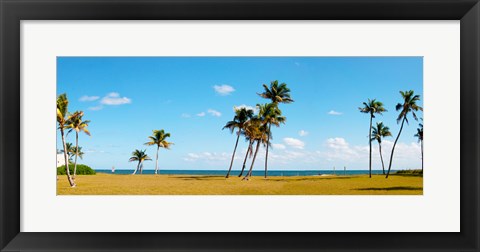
(199, 177)
(395, 188)
(316, 178)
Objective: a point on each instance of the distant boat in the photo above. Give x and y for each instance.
(113, 169)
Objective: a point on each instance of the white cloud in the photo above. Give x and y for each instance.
(303, 133)
(235, 108)
(223, 89)
(333, 112)
(201, 114)
(99, 107)
(115, 99)
(278, 146)
(214, 113)
(209, 157)
(87, 98)
(293, 142)
(340, 152)
(185, 115)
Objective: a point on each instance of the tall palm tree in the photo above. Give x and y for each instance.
(419, 135)
(242, 115)
(158, 138)
(62, 110)
(277, 93)
(77, 124)
(379, 132)
(409, 106)
(258, 132)
(270, 114)
(70, 150)
(140, 156)
(371, 107)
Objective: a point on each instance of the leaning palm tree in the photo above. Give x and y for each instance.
(409, 106)
(379, 132)
(77, 124)
(259, 134)
(70, 150)
(158, 138)
(277, 93)
(242, 115)
(140, 156)
(371, 107)
(249, 132)
(249, 152)
(419, 135)
(270, 114)
(62, 110)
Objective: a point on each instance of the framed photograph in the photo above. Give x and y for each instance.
(219, 125)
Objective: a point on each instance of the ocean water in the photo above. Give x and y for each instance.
(254, 173)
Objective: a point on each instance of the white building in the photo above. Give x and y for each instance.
(60, 159)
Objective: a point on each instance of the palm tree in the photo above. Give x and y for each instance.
(242, 115)
(257, 132)
(409, 105)
(158, 138)
(249, 132)
(379, 132)
(371, 107)
(77, 152)
(77, 124)
(70, 151)
(270, 114)
(62, 109)
(277, 93)
(249, 151)
(419, 135)
(140, 156)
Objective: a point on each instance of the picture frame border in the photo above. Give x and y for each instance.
(14, 11)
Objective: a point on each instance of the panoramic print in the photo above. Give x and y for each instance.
(239, 126)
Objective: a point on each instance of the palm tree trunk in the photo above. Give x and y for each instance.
(268, 143)
(233, 155)
(156, 160)
(76, 155)
(381, 158)
(393, 148)
(421, 142)
(65, 155)
(141, 167)
(249, 174)
(246, 156)
(370, 144)
(134, 172)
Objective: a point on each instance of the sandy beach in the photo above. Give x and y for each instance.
(108, 184)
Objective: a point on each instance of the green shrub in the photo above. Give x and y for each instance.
(81, 170)
(409, 172)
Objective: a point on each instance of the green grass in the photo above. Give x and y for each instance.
(108, 184)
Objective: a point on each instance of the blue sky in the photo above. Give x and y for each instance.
(193, 97)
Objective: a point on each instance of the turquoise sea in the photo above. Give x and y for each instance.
(255, 173)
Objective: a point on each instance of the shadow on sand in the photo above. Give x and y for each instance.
(395, 188)
(199, 177)
(272, 178)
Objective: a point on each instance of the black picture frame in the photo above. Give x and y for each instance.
(13, 11)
